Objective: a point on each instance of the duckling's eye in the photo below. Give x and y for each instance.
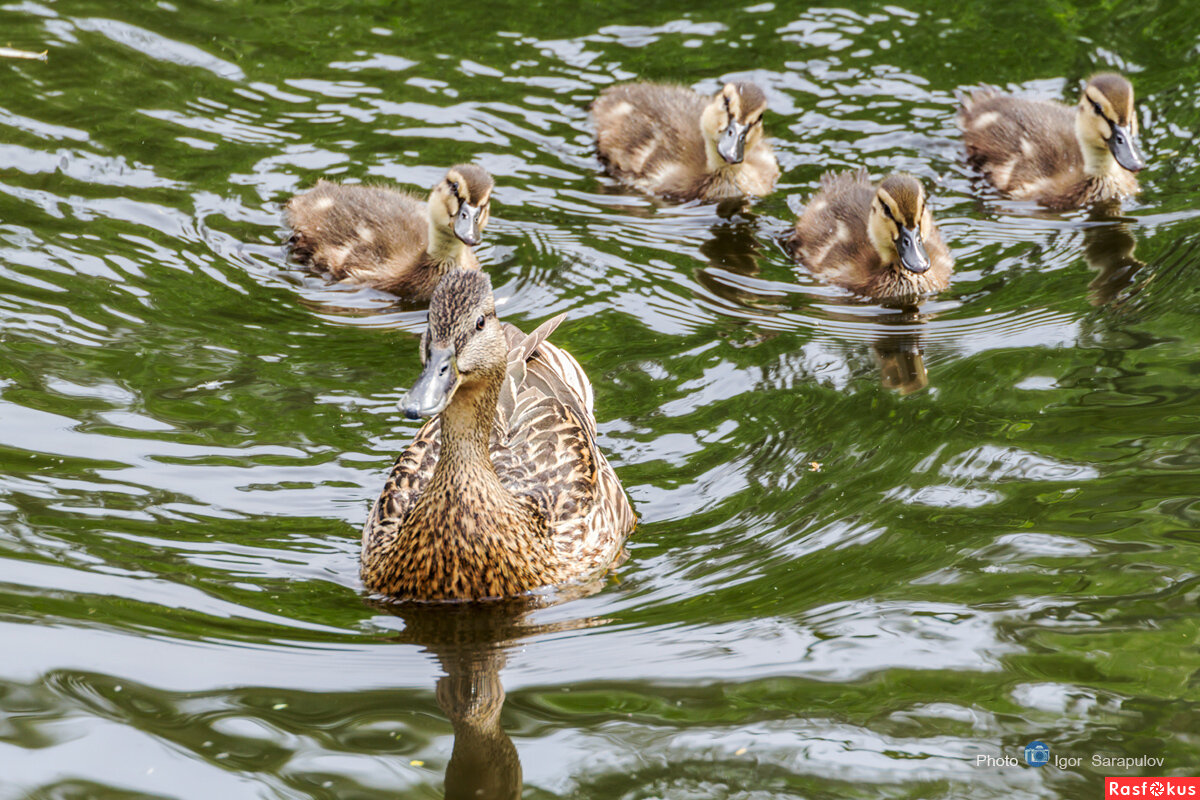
(479, 322)
(887, 211)
(1096, 107)
(454, 187)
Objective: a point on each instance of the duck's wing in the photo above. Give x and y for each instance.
(1022, 146)
(370, 234)
(547, 448)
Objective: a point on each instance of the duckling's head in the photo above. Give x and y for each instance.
(732, 122)
(459, 203)
(1106, 125)
(463, 348)
(900, 223)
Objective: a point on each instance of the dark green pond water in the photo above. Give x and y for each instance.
(839, 587)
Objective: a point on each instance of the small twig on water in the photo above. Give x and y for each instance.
(8, 52)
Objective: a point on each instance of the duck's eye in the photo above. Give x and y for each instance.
(1096, 108)
(479, 322)
(454, 187)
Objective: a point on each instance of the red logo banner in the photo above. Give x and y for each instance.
(1152, 788)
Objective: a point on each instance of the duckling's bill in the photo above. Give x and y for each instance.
(467, 224)
(912, 250)
(432, 392)
(1124, 149)
(732, 144)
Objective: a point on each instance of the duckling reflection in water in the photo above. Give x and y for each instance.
(504, 490)
(901, 356)
(679, 144)
(1041, 150)
(389, 239)
(732, 253)
(877, 241)
(1108, 247)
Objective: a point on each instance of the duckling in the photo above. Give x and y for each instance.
(1040, 150)
(677, 143)
(504, 490)
(389, 239)
(879, 242)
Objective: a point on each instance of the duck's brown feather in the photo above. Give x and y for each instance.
(544, 452)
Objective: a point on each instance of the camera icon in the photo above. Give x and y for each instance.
(1037, 754)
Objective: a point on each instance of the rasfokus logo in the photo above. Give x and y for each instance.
(1152, 788)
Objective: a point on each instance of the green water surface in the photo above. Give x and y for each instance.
(848, 580)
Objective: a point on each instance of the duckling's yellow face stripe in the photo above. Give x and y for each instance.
(1102, 111)
(1112, 110)
(733, 103)
(460, 189)
(736, 108)
(908, 213)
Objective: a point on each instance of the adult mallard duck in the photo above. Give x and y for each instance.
(674, 142)
(1044, 151)
(389, 239)
(505, 489)
(876, 241)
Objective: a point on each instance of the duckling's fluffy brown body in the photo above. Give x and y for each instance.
(832, 240)
(389, 239)
(651, 136)
(1030, 150)
(374, 235)
(505, 490)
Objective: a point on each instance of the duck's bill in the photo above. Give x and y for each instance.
(466, 224)
(1125, 150)
(732, 145)
(912, 251)
(433, 390)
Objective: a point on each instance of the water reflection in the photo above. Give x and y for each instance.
(732, 247)
(1108, 246)
(178, 490)
(901, 355)
(897, 334)
(471, 642)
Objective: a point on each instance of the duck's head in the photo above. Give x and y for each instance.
(463, 347)
(900, 223)
(732, 121)
(1106, 125)
(459, 203)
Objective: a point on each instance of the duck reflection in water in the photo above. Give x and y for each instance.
(471, 642)
(1108, 245)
